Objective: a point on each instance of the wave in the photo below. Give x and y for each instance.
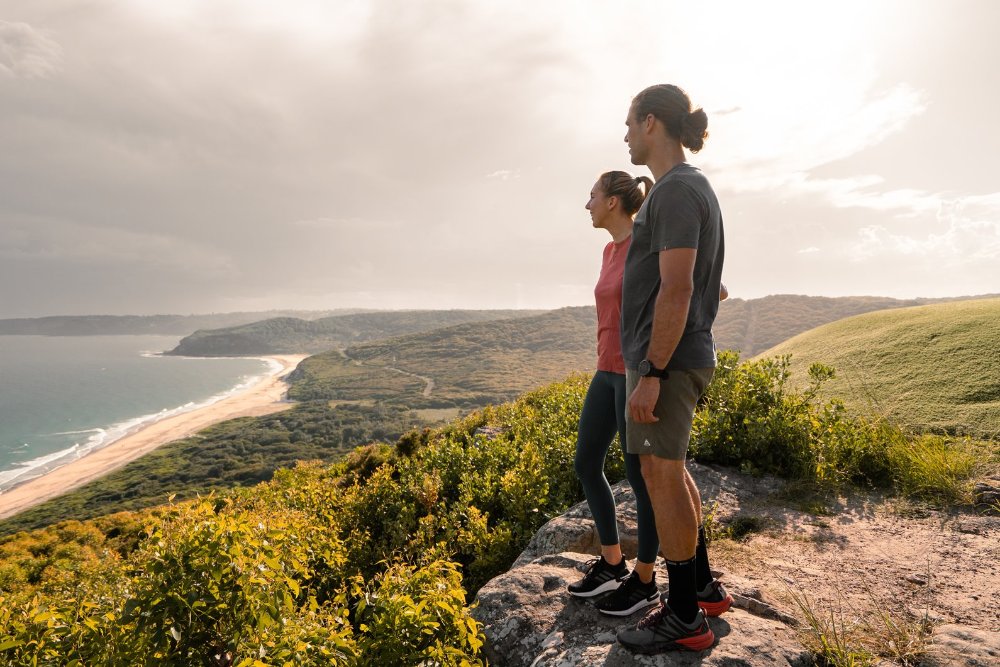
(102, 437)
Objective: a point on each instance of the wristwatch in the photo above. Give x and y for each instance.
(647, 369)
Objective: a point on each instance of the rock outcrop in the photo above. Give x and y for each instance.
(530, 620)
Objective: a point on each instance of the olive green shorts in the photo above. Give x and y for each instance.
(667, 438)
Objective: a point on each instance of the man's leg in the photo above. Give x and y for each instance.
(668, 483)
(677, 527)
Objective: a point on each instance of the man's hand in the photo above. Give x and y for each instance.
(643, 400)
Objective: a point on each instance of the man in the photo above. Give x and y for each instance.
(672, 281)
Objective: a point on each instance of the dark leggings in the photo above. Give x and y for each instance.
(602, 416)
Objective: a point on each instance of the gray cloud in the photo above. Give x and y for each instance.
(189, 156)
(25, 52)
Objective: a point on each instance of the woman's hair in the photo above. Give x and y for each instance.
(672, 107)
(626, 187)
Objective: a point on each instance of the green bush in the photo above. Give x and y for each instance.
(416, 616)
(752, 419)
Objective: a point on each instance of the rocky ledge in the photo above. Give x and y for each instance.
(530, 620)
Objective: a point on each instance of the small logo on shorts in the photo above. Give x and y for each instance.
(646, 444)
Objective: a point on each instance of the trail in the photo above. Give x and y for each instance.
(428, 382)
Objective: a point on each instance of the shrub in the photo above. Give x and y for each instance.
(412, 615)
(752, 419)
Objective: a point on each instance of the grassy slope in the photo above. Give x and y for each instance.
(755, 325)
(934, 367)
(470, 364)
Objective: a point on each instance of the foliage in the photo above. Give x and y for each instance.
(239, 583)
(754, 419)
(936, 468)
(416, 616)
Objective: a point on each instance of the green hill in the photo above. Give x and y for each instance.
(294, 335)
(464, 365)
(755, 325)
(934, 367)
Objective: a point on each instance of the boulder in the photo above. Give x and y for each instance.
(530, 620)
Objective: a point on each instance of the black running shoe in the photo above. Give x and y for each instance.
(660, 631)
(600, 578)
(630, 597)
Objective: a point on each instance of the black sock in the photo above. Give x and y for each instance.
(704, 572)
(682, 594)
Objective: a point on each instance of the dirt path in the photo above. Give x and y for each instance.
(873, 554)
(428, 382)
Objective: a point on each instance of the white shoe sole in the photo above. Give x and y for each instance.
(610, 585)
(641, 604)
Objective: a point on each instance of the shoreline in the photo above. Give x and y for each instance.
(264, 397)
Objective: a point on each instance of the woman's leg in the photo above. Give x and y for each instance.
(649, 543)
(598, 423)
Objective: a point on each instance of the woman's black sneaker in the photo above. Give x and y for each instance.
(630, 597)
(600, 578)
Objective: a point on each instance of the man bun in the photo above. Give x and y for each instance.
(694, 130)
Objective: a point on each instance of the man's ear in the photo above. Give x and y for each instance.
(649, 122)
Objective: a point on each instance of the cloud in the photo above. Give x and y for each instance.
(971, 234)
(505, 174)
(27, 53)
(58, 241)
(776, 149)
(861, 192)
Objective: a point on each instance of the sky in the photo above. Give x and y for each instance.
(199, 156)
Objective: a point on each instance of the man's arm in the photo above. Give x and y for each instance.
(670, 314)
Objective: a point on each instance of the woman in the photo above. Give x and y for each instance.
(614, 199)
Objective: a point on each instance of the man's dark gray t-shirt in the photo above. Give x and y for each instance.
(681, 211)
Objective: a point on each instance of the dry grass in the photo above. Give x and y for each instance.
(860, 635)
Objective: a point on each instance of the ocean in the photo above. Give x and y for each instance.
(62, 397)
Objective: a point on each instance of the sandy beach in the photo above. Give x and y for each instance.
(265, 397)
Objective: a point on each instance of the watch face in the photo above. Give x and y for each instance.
(644, 367)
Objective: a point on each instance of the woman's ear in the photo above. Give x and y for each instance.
(613, 201)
